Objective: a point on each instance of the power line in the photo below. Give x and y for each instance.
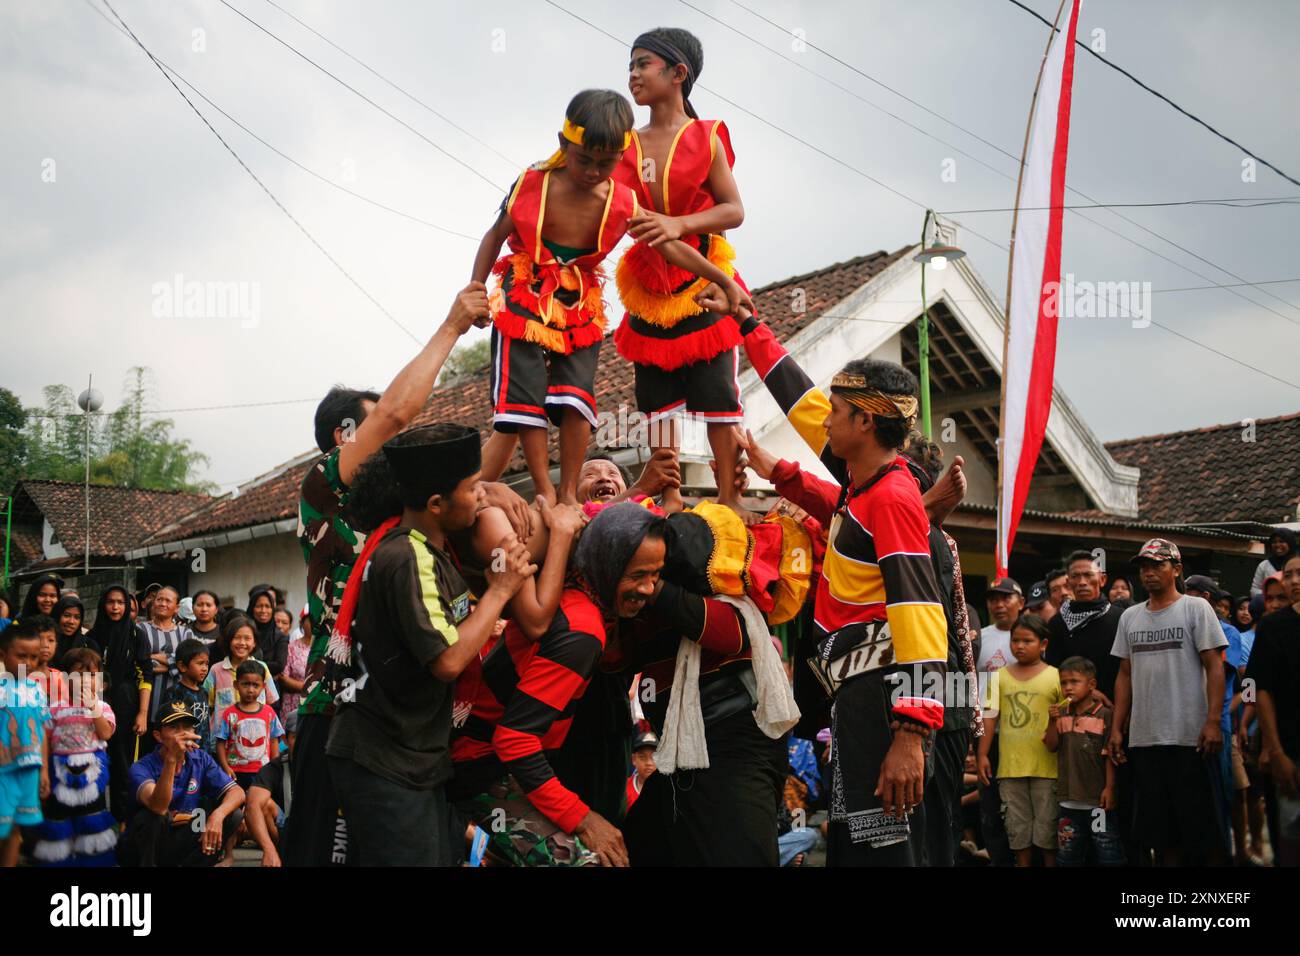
(303, 229)
(1156, 93)
(283, 155)
(514, 164)
(1229, 203)
(496, 187)
(1016, 159)
(193, 408)
(817, 149)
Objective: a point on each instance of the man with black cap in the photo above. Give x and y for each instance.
(350, 426)
(1005, 601)
(169, 787)
(1038, 601)
(414, 633)
(521, 704)
(1169, 693)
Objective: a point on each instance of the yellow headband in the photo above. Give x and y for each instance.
(575, 135)
(860, 395)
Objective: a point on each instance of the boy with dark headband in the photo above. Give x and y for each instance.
(685, 355)
(882, 634)
(562, 218)
(413, 633)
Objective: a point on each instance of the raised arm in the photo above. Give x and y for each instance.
(490, 247)
(409, 390)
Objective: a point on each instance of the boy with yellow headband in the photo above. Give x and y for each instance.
(562, 218)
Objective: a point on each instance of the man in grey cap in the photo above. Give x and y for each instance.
(1170, 694)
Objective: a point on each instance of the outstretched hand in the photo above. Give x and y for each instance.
(469, 308)
(761, 462)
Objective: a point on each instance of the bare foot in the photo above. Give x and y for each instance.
(747, 516)
(947, 492)
(226, 860)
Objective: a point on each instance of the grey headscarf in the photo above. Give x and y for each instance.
(608, 544)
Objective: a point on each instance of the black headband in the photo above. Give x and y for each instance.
(656, 43)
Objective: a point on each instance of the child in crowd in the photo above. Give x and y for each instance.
(248, 732)
(49, 678)
(192, 666)
(1078, 733)
(241, 640)
(78, 829)
(294, 676)
(1019, 701)
(24, 745)
(562, 218)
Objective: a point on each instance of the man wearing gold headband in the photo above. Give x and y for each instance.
(882, 635)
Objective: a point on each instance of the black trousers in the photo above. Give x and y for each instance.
(992, 827)
(316, 833)
(391, 824)
(152, 840)
(943, 797)
(722, 816)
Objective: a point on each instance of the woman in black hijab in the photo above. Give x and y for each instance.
(42, 596)
(68, 614)
(272, 646)
(115, 637)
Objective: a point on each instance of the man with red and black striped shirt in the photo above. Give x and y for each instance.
(524, 695)
(879, 617)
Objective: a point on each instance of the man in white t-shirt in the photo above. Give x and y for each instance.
(1005, 602)
(1170, 694)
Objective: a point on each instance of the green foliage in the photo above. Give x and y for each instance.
(467, 359)
(13, 443)
(128, 447)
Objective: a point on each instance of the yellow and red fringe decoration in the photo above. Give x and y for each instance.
(646, 282)
(555, 326)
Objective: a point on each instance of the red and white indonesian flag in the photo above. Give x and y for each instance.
(1035, 281)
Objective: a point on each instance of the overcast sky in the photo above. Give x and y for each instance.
(142, 191)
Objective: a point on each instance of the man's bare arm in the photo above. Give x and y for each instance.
(408, 392)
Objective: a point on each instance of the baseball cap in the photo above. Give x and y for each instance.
(173, 711)
(1038, 595)
(1159, 549)
(645, 738)
(1203, 582)
(1006, 586)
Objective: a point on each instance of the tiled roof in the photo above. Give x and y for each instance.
(24, 547)
(1222, 473)
(119, 517)
(272, 497)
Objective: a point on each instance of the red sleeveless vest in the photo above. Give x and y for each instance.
(558, 305)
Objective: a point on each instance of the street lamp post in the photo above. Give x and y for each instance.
(89, 401)
(938, 255)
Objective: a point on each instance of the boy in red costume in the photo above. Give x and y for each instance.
(562, 217)
(686, 357)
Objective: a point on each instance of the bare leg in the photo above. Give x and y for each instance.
(496, 454)
(663, 434)
(575, 434)
(722, 440)
(9, 853)
(539, 466)
(491, 527)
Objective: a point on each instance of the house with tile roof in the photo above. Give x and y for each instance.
(48, 529)
(1196, 488)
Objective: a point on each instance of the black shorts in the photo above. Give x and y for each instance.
(1175, 799)
(531, 384)
(708, 390)
(271, 779)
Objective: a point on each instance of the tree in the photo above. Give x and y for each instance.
(466, 360)
(127, 447)
(13, 443)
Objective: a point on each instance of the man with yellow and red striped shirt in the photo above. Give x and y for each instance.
(880, 624)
